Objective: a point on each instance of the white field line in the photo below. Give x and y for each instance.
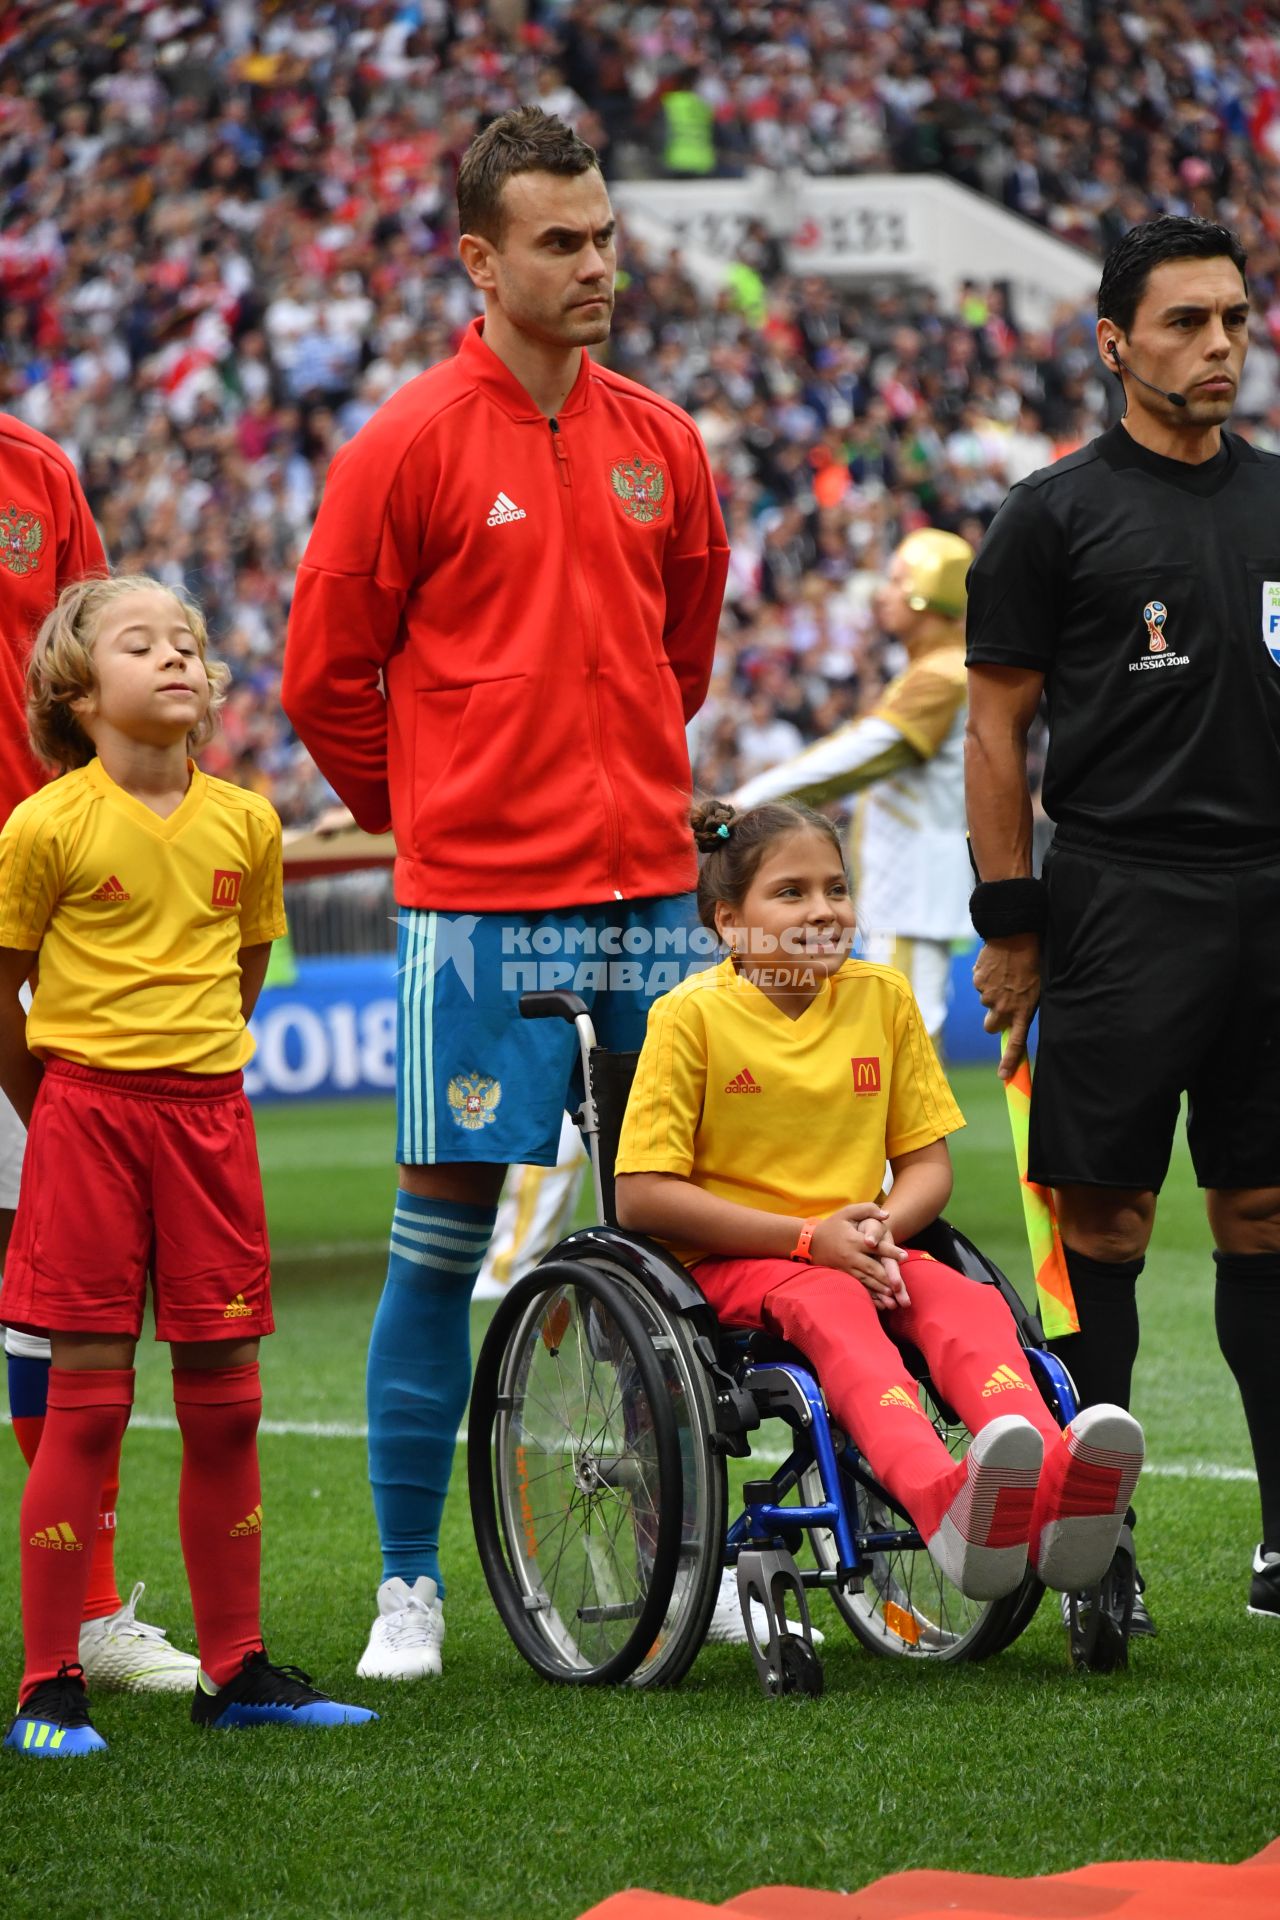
(349, 1430)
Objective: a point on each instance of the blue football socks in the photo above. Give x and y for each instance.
(420, 1375)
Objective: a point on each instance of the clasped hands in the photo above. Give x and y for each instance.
(857, 1239)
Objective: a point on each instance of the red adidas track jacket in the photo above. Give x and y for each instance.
(47, 540)
(541, 601)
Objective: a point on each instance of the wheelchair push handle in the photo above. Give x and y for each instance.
(555, 1003)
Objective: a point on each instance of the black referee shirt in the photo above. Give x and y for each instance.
(1147, 592)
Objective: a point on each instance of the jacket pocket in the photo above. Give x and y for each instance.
(481, 752)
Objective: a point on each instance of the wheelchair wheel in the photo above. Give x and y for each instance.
(704, 1494)
(575, 1474)
(907, 1608)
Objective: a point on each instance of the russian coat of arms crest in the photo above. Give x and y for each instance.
(21, 539)
(473, 1100)
(640, 486)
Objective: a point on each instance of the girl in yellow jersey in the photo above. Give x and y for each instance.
(770, 1093)
(149, 896)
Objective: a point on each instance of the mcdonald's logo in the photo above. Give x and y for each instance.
(866, 1073)
(226, 888)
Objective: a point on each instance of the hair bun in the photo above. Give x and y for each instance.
(711, 821)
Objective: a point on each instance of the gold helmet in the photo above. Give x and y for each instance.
(937, 564)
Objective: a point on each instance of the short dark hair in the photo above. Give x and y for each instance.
(526, 140)
(730, 859)
(1173, 236)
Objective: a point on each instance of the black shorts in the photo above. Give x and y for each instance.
(1158, 981)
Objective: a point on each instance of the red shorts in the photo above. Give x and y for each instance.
(134, 1173)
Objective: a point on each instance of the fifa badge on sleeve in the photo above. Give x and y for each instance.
(1271, 619)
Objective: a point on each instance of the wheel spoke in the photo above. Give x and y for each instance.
(612, 1491)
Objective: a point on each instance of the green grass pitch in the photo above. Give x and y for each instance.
(490, 1794)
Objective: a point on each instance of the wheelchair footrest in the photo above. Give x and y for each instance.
(786, 1662)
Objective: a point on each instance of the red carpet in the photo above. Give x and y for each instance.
(1111, 1890)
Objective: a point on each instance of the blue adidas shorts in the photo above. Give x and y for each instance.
(475, 1081)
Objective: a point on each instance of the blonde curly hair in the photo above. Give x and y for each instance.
(60, 670)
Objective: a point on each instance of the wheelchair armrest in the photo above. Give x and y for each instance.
(939, 1239)
(956, 1249)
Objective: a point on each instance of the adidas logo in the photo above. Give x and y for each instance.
(36, 1732)
(743, 1082)
(237, 1309)
(252, 1523)
(1005, 1380)
(503, 509)
(111, 891)
(899, 1397)
(59, 1539)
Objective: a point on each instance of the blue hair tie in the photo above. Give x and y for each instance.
(722, 831)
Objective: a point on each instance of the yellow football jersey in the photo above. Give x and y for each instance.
(908, 848)
(139, 920)
(789, 1116)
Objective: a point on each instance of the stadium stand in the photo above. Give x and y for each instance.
(230, 236)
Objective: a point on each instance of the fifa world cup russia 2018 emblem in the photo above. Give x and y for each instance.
(1155, 613)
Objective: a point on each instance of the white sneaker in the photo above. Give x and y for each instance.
(122, 1654)
(729, 1629)
(407, 1635)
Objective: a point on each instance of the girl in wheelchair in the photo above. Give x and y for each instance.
(770, 1093)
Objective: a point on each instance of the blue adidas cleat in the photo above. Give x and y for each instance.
(53, 1721)
(263, 1695)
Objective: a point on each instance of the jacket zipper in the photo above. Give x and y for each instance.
(593, 662)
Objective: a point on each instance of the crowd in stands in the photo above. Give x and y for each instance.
(229, 236)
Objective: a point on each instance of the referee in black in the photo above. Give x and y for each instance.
(1136, 584)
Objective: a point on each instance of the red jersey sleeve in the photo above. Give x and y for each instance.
(364, 555)
(694, 570)
(80, 549)
(47, 542)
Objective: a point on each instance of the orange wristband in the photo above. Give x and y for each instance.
(800, 1251)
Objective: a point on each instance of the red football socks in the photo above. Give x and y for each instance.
(79, 1449)
(27, 1429)
(103, 1595)
(1085, 1489)
(220, 1510)
(969, 1340)
(868, 1388)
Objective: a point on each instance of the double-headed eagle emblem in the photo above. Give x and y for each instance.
(641, 487)
(21, 539)
(473, 1100)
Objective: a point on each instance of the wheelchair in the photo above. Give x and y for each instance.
(606, 1403)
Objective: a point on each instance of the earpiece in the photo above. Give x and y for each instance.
(1174, 399)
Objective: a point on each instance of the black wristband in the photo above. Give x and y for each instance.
(1000, 908)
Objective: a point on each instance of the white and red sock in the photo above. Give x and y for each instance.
(1085, 1488)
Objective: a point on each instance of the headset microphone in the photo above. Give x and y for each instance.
(1174, 399)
